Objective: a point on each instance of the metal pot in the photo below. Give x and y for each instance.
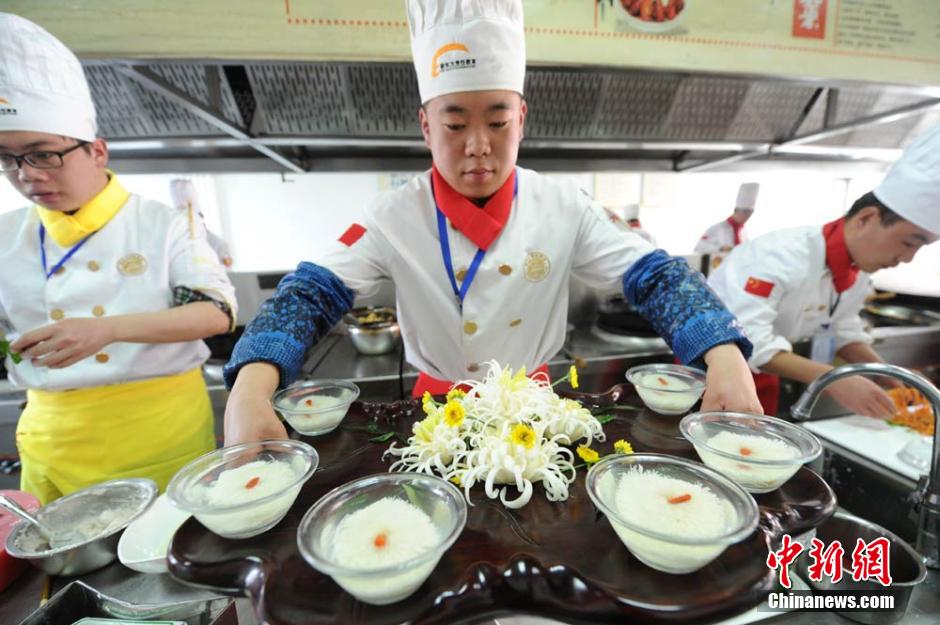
(373, 330)
(894, 314)
(71, 511)
(907, 567)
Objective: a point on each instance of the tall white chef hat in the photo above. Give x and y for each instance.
(42, 85)
(747, 196)
(631, 211)
(467, 45)
(912, 186)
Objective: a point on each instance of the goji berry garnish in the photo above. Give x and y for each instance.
(252, 483)
(380, 540)
(684, 497)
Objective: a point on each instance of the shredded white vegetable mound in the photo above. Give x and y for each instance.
(506, 432)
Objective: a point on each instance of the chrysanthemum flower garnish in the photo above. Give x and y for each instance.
(506, 432)
(522, 435)
(454, 413)
(573, 376)
(623, 447)
(587, 454)
(455, 393)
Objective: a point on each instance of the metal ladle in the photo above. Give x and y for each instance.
(55, 538)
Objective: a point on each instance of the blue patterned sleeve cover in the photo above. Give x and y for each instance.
(308, 302)
(682, 307)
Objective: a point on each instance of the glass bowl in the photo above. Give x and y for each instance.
(395, 554)
(246, 489)
(315, 407)
(772, 452)
(658, 541)
(667, 389)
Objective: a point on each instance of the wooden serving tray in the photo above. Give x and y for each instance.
(558, 560)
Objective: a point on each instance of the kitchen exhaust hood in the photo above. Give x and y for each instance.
(327, 116)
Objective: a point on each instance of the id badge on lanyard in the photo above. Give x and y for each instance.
(824, 345)
(824, 341)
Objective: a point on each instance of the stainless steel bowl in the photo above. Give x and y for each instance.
(373, 341)
(907, 567)
(71, 511)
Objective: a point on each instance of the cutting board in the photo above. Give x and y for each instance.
(871, 438)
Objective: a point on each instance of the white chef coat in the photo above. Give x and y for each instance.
(103, 278)
(718, 241)
(794, 262)
(517, 305)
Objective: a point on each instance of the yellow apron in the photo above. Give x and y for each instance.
(69, 440)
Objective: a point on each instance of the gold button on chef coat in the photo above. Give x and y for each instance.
(102, 357)
(461, 274)
(59, 270)
(57, 314)
(514, 323)
(93, 266)
(505, 269)
(470, 327)
(98, 311)
(472, 367)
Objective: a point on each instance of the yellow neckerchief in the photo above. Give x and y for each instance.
(68, 230)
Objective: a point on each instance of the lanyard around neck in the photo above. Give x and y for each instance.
(63, 260)
(461, 292)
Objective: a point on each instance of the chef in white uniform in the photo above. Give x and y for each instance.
(722, 237)
(105, 294)
(480, 250)
(630, 222)
(811, 282)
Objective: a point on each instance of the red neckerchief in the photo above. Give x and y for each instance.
(844, 271)
(737, 229)
(479, 224)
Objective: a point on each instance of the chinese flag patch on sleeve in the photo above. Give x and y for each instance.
(758, 287)
(353, 233)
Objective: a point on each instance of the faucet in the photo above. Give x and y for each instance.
(927, 494)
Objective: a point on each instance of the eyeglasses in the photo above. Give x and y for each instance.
(42, 159)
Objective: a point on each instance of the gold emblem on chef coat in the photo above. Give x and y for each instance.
(536, 266)
(132, 264)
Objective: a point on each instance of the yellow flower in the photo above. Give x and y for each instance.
(522, 434)
(455, 393)
(587, 454)
(424, 429)
(456, 480)
(573, 375)
(453, 413)
(427, 403)
(623, 447)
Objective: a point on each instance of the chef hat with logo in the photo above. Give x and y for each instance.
(467, 45)
(747, 196)
(42, 85)
(631, 211)
(911, 187)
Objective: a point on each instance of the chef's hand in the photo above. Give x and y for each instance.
(249, 415)
(729, 384)
(862, 396)
(65, 342)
